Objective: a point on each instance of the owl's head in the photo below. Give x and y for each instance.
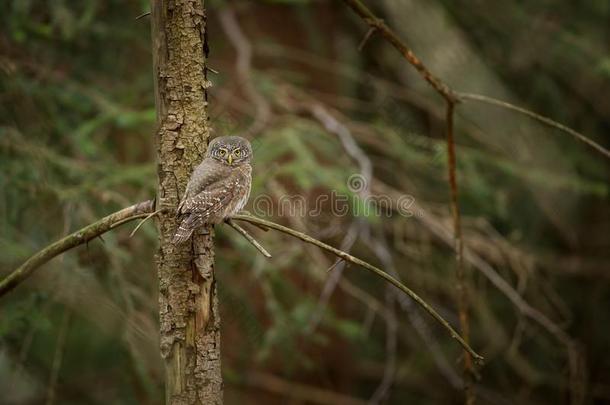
(230, 150)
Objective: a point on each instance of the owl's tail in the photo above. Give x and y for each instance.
(185, 230)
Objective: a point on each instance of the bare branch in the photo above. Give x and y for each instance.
(380, 273)
(248, 237)
(459, 254)
(541, 118)
(149, 216)
(77, 238)
(447, 92)
(378, 24)
(146, 14)
(367, 36)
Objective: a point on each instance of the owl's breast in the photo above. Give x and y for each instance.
(241, 203)
(244, 189)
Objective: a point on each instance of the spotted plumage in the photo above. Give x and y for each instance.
(218, 188)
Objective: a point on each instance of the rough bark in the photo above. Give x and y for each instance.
(188, 306)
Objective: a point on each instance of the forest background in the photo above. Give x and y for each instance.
(321, 106)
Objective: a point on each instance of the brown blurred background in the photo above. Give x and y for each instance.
(77, 121)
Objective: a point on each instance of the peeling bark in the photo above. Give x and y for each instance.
(188, 305)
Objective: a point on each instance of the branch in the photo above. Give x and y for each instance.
(149, 216)
(450, 95)
(451, 98)
(248, 237)
(459, 253)
(77, 238)
(377, 271)
(442, 88)
(378, 24)
(541, 118)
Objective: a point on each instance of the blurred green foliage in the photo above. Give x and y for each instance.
(77, 122)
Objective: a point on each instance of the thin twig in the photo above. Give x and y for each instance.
(367, 36)
(374, 22)
(144, 220)
(77, 238)
(146, 14)
(447, 92)
(451, 99)
(459, 254)
(248, 237)
(541, 118)
(335, 264)
(347, 257)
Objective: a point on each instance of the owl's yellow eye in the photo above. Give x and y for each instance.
(237, 152)
(222, 152)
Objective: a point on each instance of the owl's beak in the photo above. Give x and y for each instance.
(230, 159)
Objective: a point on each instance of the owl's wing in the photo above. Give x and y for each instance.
(218, 192)
(203, 177)
(204, 205)
(210, 200)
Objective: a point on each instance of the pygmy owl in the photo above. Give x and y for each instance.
(218, 188)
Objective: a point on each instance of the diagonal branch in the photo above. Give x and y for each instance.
(449, 94)
(77, 238)
(248, 237)
(376, 23)
(377, 271)
(541, 118)
(143, 209)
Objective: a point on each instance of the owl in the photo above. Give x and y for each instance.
(218, 188)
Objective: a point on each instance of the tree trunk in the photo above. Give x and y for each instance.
(188, 306)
